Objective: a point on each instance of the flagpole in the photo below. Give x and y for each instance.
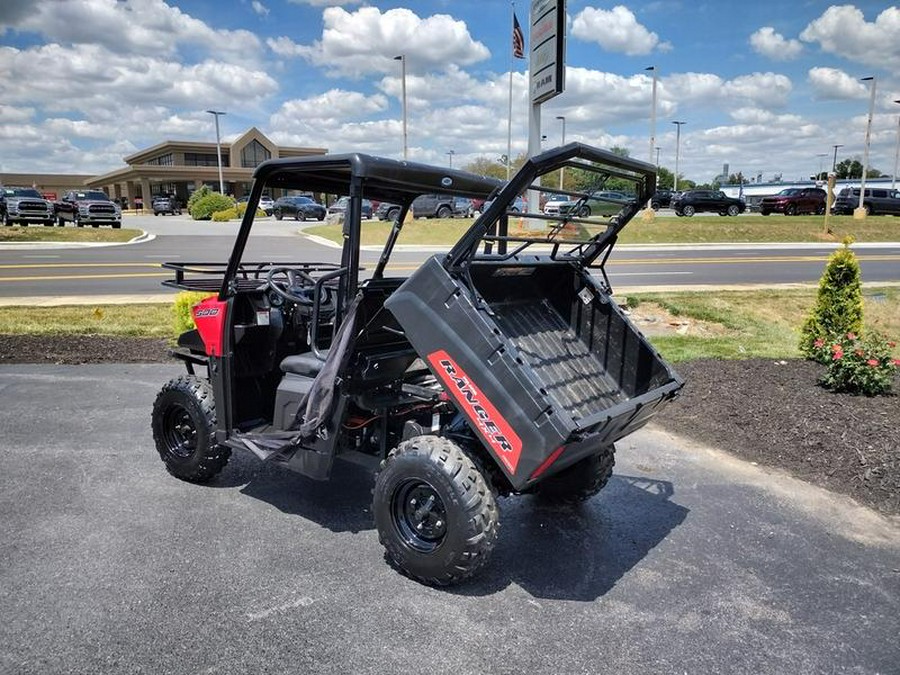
(512, 19)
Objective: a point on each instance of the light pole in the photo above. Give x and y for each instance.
(450, 154)
(402, 60)
(652, 114)
(677, 150)
(657, 157)
(896, 153)
(834, 161)
(216, 113)
(820, 156)
(562, 118)
(859, 213)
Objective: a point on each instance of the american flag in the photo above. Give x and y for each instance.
(518, 39)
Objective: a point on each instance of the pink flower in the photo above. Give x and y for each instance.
(837, 348)
(892, 344)
(897, 362)
(872, 362)
(851, 336)
(838, 355)
(819, 343)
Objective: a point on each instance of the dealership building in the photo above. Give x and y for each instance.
(172, 167)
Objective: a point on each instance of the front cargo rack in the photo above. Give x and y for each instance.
(208, 277)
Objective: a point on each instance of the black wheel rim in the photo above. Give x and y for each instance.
(179, 431)
(419, 515)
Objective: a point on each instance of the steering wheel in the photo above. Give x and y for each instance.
(298, 287)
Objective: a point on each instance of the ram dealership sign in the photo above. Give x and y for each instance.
(548, 36)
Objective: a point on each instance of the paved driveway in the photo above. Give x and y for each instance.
(689, 561)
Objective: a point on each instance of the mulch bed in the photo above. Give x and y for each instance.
(765, 411)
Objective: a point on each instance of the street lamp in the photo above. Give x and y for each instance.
(677, 150)
(862, 182)
(657, 157)
(562, 118)
(834, 161)
(896, 153)
(820, 155)
(402, 60)
(216, 113)
(450, 154)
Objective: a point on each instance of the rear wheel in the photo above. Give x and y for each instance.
(763, 213)
(688, 210)
(868, 209)
(733, 210)
(579, 482)
(184, 427)
(117, 225)
(278, 215)
(436, 513)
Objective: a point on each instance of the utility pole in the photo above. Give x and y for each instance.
(216, 113)
(677, 150)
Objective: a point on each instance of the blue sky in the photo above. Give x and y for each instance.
(765, 88)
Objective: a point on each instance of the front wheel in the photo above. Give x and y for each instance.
(278, 215)
(790, 210)
(436, 514)
(581, 481)
(688, 210)
(585, 212)
(77, 221)
(444, 212)
(733, 210)
(820, 210)
(184, 427)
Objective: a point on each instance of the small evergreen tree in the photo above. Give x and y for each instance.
(839, 304)
(199, 193)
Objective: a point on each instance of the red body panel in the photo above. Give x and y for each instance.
(209, 317)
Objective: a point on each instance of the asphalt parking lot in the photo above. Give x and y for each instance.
(689, 561)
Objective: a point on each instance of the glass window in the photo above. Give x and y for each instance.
(204, 159)
(254, 154)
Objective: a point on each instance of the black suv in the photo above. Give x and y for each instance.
(876, 201)
(165, 204)
(793, 201)
(299, 208)
(696, 201)
(433, 206)
(662, 199)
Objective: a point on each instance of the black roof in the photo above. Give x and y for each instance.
(383, 179)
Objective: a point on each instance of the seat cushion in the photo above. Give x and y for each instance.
(305, 364)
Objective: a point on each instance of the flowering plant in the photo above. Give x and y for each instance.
(858, 365)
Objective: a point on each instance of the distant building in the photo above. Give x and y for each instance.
(171, 167)
(180, 167)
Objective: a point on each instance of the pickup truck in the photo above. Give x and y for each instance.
(24, 205)
(88, 207)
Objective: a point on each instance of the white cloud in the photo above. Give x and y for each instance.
(324, 3)
(844, 31)
(367, 40)
(11, 114)
(150, 27)
(765, 89)
(259, 8)
(835, 84)
(616, 30)
(773, 45)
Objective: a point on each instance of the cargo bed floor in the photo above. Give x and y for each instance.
(565, 366)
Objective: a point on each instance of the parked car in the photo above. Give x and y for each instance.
(25, 205)
(463, 207)
(298, 208)
(553, 202)
(340, 206)
(433, 206)
(793, 201)
(600, 203)
(696, 201)
(876, 201)
(387, 211)
(662, 199)
(519, 205)
(266, 203)
(163, 204)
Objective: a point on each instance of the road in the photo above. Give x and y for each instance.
(689, 561)
(134, 269)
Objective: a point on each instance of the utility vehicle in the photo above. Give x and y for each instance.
(499, 368)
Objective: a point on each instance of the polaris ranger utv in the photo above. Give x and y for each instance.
(502, 367)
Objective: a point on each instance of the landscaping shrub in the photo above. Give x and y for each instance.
(208, 204)
(200, 192)
(839, 304)
(227, 214)
(858, 365)
(182, 319)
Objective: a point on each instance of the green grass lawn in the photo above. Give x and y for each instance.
(17, 233)
(662, 230)
(744, 324)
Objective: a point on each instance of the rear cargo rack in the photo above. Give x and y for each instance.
(611, 190)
